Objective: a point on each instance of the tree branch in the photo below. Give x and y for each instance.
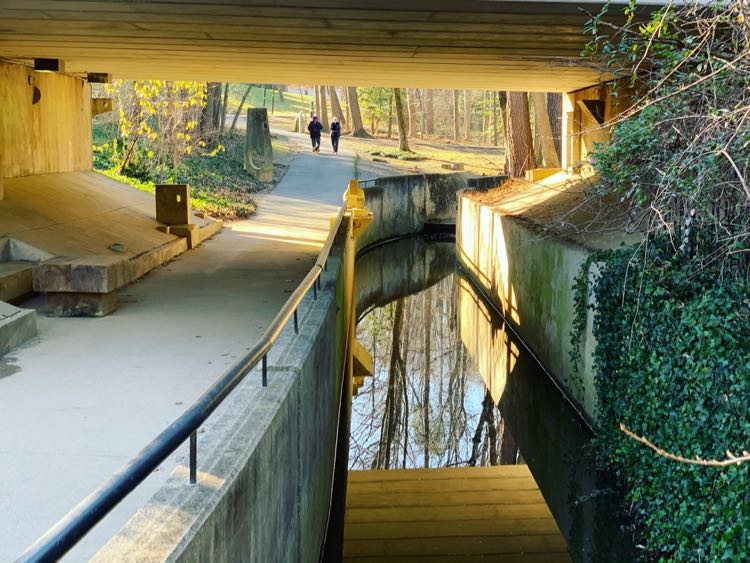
(731, 458)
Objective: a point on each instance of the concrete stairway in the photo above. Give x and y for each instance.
(454, 515)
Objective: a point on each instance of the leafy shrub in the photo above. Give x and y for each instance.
(672, 363)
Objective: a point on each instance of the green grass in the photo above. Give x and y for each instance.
(293, 102)
(219, 184)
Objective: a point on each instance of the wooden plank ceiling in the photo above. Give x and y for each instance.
(482, 44)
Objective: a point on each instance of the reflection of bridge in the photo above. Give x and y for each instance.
(497, 45)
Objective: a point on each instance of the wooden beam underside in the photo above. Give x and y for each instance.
(440, 44)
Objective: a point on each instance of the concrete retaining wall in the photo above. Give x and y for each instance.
(403, 205)
(529, 278)
(265, 460)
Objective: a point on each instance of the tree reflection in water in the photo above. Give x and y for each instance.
(426, 404)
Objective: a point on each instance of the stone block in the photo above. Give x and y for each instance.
(191, 232)
(173, 204)
(88, 274)
(81, 304)
(258, 150)
(15, 280)
(452, 166)
(16, 326)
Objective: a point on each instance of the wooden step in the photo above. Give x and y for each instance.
(450, 514)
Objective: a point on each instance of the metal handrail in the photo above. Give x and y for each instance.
(72, 527)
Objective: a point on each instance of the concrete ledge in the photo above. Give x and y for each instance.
(86, 286)
(15, 280)
(16, 326)
(211, 228)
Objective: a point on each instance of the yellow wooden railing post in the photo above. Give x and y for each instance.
(359, 218)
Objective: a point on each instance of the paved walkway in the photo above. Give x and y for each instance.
(80, 400)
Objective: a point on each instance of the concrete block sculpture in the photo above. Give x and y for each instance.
(258, 151)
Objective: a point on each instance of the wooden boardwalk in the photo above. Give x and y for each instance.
(451, 515)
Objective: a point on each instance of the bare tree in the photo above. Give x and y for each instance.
(427, 322)
(467, 115)
(430, 111)
(239, 109)
(336, 105)
(410, 102)
(358, 130)
(456, 118)
(223, 118)
(494, 118)
(403, 142)
(323, 109)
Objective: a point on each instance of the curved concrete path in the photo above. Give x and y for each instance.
(84, 397)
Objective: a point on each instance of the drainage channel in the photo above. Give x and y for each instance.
(461, 446)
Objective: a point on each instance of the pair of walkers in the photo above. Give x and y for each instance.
(315, 127)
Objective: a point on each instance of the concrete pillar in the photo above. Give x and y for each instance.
(568, 156)
(258, 151)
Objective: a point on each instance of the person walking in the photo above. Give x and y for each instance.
(315, 127)
(335, 134)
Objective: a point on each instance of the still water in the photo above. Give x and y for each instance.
(454, 387)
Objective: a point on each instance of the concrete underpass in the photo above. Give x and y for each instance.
(80, 397)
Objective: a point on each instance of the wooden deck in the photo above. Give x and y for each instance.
(453, 515)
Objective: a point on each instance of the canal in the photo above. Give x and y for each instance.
(455, 391)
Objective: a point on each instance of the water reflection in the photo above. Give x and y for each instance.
(454, 387)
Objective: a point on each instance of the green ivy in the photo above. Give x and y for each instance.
(672, 363)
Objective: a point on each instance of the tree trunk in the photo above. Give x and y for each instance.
(336, 106)
(391, 414)
(324, 110)
(358, 130)
(281, 88)
(403, 143)
(554, 111)
(209, 125)
(502, 99)
(519, 155)
(427, 321)
(544, 130)
(494, 119)
(239, 109)
(467, 115)
(485, 127)
(412, 113)
(430, 110)
(390, 116)
(223, 119)
(456, 119)
(348, 108)
(317, 100)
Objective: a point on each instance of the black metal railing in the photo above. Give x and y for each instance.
(59, 539)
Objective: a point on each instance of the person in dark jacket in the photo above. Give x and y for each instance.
(315, 127)
(335, 134)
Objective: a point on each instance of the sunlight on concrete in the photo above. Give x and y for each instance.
(491, 349)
